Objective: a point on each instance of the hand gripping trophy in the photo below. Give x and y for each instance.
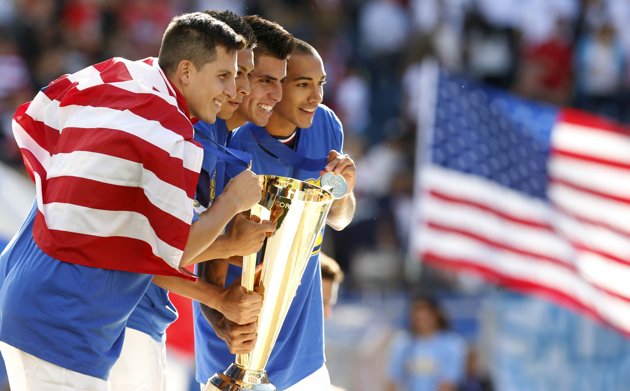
(299, 211)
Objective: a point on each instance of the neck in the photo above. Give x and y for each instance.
(235, 121)
(280, 127)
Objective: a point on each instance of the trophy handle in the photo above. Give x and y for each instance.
(248, 275)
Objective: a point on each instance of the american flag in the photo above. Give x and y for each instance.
(526, 195)
(110, 149)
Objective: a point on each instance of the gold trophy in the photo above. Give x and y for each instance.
(299, 211)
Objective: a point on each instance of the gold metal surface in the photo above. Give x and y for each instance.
(299, 211)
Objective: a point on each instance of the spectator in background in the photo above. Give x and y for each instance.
(428, 357)
(600, 66)
(332, 277)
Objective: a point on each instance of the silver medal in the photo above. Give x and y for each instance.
(334, 183)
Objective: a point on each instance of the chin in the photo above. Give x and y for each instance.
(261, 121)
(305, 124)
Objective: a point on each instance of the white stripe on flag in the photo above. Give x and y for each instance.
(597, 238)
(533, 270)
(484, 223)
(121, 172)
(592, 142)
(604, 179)
(605, 273)
(591, 207)
(151, 131)
(483, 191)
(24, 140)
(86, 78)
(42, 109)
(105, 223)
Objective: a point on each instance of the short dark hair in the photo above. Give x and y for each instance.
(237, 23)
(303, 48)
(271, 38)
(194, 37)
(330, 269)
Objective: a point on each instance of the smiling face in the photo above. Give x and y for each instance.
(206, 89)
(302, 92)
(245, 64)
(266, 90)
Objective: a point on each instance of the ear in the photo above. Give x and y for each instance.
(185, 72)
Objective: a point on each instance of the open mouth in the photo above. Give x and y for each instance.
(266, 108)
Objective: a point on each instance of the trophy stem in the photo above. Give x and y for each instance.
(238, 378)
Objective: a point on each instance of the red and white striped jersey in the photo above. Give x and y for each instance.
(111, 151)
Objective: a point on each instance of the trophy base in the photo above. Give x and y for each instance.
(237, 378)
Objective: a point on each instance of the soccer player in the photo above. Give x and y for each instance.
(110, 150)
(301, 126)
(142, 364)
(273, 45)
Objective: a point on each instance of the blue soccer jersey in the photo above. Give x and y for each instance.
(299, 350)
(61, 312)
(156, 312)
(424, 363)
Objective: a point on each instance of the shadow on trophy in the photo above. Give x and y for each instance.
(299, 211)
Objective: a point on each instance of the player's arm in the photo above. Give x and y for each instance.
(244, 236)
(240, 194)
(342, 210)
(240, 338)
(233, 302)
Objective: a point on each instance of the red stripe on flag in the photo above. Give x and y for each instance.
(589, 158)
(42, 134)
(144, 105)
(607, 196)
(597, 124)
(486, 208)
(113, 142)
(58, 87)
(498, 245)
(586, 220)
(562, 298)
(80, 191)
(113, 71)
(112, 253)
(32, 165)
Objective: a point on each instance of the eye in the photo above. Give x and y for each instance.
(302, 85)
(322, 83)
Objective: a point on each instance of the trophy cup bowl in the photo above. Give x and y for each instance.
(298, 210)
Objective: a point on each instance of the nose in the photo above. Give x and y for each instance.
(229, 88)
(317, 95)
(244, 87)
(276, 92)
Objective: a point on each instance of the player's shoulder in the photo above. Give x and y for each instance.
(242, 134)
(326, 118)
(325, 112)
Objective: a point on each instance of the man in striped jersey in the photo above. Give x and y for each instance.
(142, 363)
(111, 151)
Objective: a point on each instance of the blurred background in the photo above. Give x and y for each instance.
(561, 52)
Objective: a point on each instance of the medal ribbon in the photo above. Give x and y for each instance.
(285, 154)
(224, 155)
